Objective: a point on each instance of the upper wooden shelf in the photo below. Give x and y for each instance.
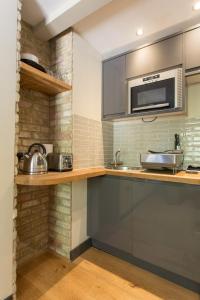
(34, 79)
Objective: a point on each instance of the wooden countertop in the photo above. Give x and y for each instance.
(53, 178)
(181, 177)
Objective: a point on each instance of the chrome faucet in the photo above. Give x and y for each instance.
(116, 161)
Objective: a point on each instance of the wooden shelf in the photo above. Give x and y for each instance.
(34, 79)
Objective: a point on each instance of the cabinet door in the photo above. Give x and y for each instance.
(114, 87)
(161, 55)
(166, 226)
(192, 48)
(110, 211)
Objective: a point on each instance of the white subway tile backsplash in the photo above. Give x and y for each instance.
(92, 142)
(134, 137)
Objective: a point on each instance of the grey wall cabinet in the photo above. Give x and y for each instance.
(114, 87)
(156, 222)
(166, 227)
(110, 211)
(192, 48)
(161, 55)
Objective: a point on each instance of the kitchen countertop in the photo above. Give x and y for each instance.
(53, 178)
(181, 177)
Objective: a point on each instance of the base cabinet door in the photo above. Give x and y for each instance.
(110, 211)
(166, 226)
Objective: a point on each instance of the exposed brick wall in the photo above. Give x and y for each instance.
(31, 44)
(44, 217)
(61, 135)
(44, 213)
(33, 118)
(32, 222)
(19, 7)
(33, 126)
(60, 219)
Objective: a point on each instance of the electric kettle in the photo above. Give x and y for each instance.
(33, 162)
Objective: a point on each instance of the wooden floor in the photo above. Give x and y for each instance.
(94, 275)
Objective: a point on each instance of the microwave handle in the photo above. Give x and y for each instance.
(151, 106)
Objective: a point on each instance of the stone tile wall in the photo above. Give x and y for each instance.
(18, 38)
(33, 118)
(135, 137)
(33, 126)
(44, 213)
(60, 219)
(44, 216)
(92, 142)
(61, 135)
(31, 44)
(107, 128)
(32, 222)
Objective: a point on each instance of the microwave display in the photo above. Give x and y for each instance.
(156, 92)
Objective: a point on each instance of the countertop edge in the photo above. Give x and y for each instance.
(184, 178)
(54, 178)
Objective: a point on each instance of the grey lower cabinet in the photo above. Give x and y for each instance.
(158, 56)
(156, 222)
(110, 211)
(114, 88)
(192, 48)
(166, 226)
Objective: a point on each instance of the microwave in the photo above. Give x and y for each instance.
(156, 92)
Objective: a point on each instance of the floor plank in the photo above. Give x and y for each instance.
(95, 275)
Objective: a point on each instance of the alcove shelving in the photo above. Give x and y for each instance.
(37, 80)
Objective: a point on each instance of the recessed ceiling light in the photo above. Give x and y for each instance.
(196, 6)
(139, 31)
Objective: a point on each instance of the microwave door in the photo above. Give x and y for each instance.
(154, 95)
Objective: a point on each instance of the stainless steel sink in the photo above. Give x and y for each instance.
(118, 167)
(123, 168)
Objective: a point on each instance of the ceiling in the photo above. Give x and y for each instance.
(110, 25)
(51, 17)
(36, 11)
(112, 29)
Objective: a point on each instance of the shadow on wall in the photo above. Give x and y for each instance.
(107, 128)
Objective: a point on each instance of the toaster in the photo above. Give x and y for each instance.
(59, 162)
